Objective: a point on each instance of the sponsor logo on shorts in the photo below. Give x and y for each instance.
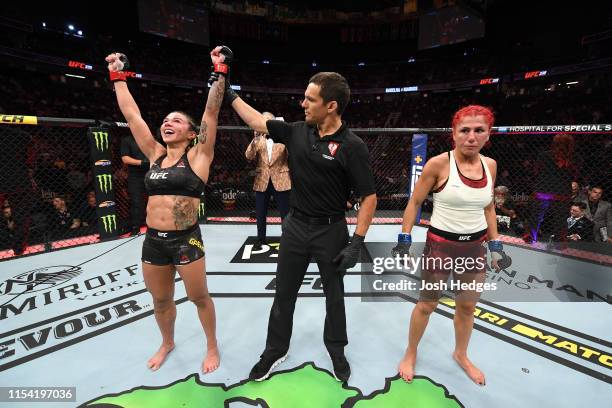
(196, 243)
(162, 234)
(464, 237)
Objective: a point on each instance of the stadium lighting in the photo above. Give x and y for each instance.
(361, 64)
(80, 32)
(571, 83)
(75, 76)
(70, 27)
(265, 62)
(314, 64)
(44, 24)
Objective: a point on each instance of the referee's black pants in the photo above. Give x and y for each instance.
(136, 191)
(301, 241)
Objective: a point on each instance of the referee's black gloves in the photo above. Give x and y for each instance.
(348, 257)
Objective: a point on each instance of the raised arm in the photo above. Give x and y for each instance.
(147, 144)
(253, 118)
(221, 58)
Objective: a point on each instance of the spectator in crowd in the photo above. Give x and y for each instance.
(600, 212)
(7, 227)
(552, 190)
(505, 210)
(15, 184)
(504, 179)
(138, 165)
(87, 213)
(272, 177)
(577, 192)
(76, 180)
(63, 219)
(579, 228)
(50, 179)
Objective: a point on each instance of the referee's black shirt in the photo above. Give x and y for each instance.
(130, 148)
(323, 169)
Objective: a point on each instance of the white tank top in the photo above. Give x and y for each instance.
(459, 207)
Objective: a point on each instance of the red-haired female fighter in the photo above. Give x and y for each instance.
(463, 218)
(174, 183)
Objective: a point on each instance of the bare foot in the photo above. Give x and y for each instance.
(470, 369)
(158, 358)
(406, 366)
(211, 362)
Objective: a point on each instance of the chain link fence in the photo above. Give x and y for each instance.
(48, 187)
(230, 196)
(49, 194)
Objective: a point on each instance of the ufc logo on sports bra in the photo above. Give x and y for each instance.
(464, 237)
(157, 176)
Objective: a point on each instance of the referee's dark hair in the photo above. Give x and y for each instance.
(334, 87)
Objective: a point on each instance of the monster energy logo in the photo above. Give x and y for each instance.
(201, 210)
(110, 223)
(105, 181)
(101, 140)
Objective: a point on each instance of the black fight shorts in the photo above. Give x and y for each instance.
(172, 247)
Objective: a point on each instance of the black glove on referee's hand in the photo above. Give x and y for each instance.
(348, 257)
(229, 94)
(224, 69)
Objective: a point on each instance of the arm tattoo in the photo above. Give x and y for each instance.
(202, 134)
(215, 95)
(185, 213)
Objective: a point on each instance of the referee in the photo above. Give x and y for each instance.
(138, 165)
(326, 161)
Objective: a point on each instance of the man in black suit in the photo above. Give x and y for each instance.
(579, 228)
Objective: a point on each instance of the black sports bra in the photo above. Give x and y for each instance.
(178, 179)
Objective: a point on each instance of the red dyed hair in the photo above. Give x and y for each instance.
(474, 110)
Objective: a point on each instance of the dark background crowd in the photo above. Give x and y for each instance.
(46, 187)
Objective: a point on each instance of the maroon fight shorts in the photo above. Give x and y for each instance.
(463, 257)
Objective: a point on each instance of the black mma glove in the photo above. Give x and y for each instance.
(224, 69)
(348, 257)
(120, 75)
(497, 254)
